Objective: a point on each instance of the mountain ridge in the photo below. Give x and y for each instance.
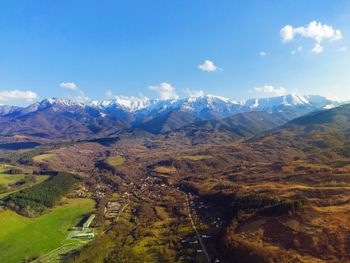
(196, 104)
(56, 117)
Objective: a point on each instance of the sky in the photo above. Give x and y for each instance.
(85, 49)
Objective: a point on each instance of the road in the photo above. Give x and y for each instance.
(195, 230)
(117, 218)
(121, 211)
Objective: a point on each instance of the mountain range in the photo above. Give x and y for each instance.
(66, 119)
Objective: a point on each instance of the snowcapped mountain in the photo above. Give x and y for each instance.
(210, 103)
(181, 112)
(46, 116)
(6, 109)
(291, 100)
(130, 104)
(218, 104)
(203, 106)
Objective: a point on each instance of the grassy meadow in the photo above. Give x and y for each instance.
(23, 238)
(165, 169)
(43, 157)
(115, 160)
(194, 157)
(5, 178)
(39, 179)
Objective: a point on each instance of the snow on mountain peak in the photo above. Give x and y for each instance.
(58, 101)
(201, 105)
(293, 99)
(131, 104)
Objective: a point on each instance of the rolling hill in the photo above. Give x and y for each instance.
(320, 135)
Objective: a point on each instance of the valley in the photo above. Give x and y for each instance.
(266, 191)
(175, 131)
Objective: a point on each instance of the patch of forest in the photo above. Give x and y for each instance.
(36, 199)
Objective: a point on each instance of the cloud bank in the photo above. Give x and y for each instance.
(314, 30)
(17, 95)
(269, 89)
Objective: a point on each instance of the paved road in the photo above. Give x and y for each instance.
(195, 230)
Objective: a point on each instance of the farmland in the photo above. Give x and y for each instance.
(23, 238)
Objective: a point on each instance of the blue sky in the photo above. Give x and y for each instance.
(154, 48)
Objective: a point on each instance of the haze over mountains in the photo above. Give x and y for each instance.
(60, 118)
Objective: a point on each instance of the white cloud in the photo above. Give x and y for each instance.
(287, 33)
(263, 54)
(317, 48)
(208, 66)
(68, 85)
(271, 90)
(80, 97)
(17, 95)
(165, 91)
(314, 30)
(194, 93)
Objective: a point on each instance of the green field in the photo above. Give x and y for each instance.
(4, 167)
(6, 179)
(23, 238)
(194, 157)
(43, 157)
(115, 160)
(39, 179)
